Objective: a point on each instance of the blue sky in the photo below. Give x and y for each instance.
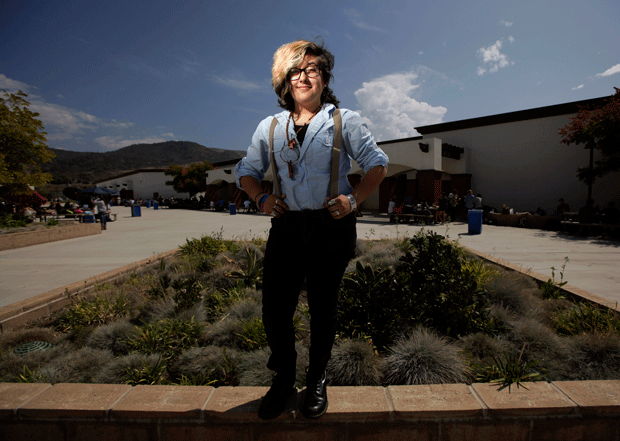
(104, 75)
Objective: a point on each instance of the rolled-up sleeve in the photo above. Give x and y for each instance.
(360, 143)
(256, 162)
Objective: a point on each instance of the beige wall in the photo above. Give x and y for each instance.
(524, 165)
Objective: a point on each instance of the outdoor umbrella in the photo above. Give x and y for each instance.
(101, 191)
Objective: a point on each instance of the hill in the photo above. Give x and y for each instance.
(70, 167)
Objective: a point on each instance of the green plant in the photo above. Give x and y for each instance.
(95, 311)
(252, 275)
(168, 337)
(511, 370)
(439, 292)
(187, 293)
(586, 318)
(252, 335)
(370, 304)
(552, 289)
(147, 374)
(159, 289)
(52, 223)
(477, 268)
(29, 376)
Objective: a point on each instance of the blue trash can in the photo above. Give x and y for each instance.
(89, 219)
(135, 211)
(155, 206)
(148, 204)
(474, 220)
(233, 208)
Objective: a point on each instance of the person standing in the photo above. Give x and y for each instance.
(313, 232)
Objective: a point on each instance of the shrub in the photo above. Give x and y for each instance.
(156, 310)
(95, 311)
(586, 318)
(370, 305)
(354, 363)
(438, 292)
(112, 337)
(211, 365)
(512, 292)
(424, 358)
(126, 370)
(595, 356)
(168, 337)
(76, 366)
(187, 293)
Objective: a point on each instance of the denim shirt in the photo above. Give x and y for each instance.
(309, 187)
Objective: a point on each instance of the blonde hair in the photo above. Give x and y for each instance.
(289, 56)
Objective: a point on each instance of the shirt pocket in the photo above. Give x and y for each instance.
(319, 155)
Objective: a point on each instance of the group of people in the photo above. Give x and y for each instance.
(449, 207)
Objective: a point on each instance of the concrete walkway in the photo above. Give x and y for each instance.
(26, 272)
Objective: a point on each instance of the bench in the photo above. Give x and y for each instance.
(406, 217)
(568, 225)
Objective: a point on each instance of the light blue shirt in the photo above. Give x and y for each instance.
(309, 186)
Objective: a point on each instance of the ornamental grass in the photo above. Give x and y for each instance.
(414, 311)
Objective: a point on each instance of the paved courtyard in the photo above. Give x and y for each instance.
(26, 272)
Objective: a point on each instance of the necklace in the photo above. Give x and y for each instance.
(291, 155)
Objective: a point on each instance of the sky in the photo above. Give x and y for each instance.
(105, 75)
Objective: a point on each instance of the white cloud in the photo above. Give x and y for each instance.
(67, 127)
(511, 39)
(611, 71)
(241, 85)
(492, 59)
(118, 142)
(505, 23)
(356, 19)
(578, 87)
(13, 86)
(390, 111)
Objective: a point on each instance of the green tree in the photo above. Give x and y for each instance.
(22, 146)
(598, 129)
(190, 179)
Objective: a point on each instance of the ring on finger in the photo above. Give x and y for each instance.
(273, 213)
(337, 213)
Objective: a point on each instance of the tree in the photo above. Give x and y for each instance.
(22, 146)
(598, 129)
(190, 179)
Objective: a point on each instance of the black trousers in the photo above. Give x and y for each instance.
(310, 246)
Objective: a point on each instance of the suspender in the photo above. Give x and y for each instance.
(335, 165)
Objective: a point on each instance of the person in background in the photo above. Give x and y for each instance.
(101, 212)
(469, 200)
(478, 202)
(562, 207)
(313, 234)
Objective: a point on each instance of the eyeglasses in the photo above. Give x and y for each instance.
(311, 71)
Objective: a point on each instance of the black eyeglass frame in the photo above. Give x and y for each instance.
(295, 72)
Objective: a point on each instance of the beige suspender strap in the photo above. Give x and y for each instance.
(335, 166)
(274, 167)
(333, 177)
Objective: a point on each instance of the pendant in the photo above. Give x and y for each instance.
(291, 144)
(290, 169)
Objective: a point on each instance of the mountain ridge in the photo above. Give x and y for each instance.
(70, 167)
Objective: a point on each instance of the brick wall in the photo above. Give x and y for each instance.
(555, 411)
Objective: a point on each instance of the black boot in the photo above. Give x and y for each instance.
(315, 403)
(274, 402)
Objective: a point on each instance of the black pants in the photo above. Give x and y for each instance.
(311, 246)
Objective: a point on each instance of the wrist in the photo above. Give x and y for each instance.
(352, 201)
(259, 194)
